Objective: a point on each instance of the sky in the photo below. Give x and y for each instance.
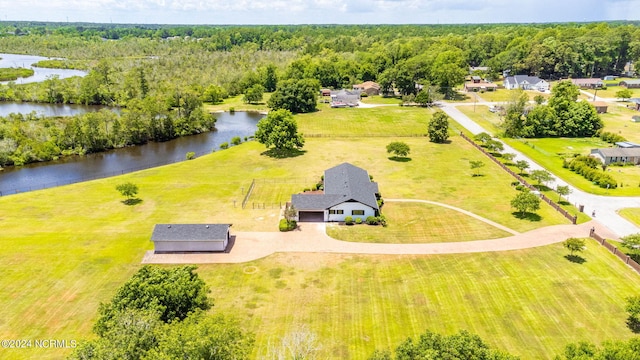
(221, 12)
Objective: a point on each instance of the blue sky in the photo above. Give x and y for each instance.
(319, 11)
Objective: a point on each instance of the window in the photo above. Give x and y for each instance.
(357, 212)
(333, 212)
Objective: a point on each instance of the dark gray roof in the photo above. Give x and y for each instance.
(342, 183)
(190, 232)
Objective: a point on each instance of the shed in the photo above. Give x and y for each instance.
(630, 84)
(601, 106)
(180, 238)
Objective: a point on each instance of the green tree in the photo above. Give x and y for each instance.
(509, 156)
(399, 149)
(522, 165)
(476, 165)
(624, 94)
(541, 176)
(214, 94)
(438, 129)
(128, 190)
(270, 78)
(254, 94)
(462, 345)
(494, 145)
(236, 140)
(574, 245)
(525, 201)
(633, 310)
(297, 96)
(631, 242)
(610, 350)
(280, 130)
(482, 137)
(448, 70)
(173, 293)
(563, 190)
(427, 96)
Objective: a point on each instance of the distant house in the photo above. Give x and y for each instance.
(345, 98)
(601, 106)
(526, 83)
(610, 77)
(325, 92)
(479, 85)
(588, 83)
(627, 144)
(630, 84)
(348, 191)
(473, 69)
(636, 103)
(180, 238)
(618, 154)
(629, 69)
(368, 87)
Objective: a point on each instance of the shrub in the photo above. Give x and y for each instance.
(191, 155)
(232, 110)
(372, 220)
(611, 137)
(515, 183)
(382, 220)
(348, 220)
(287, 225)
(236, 140)
(224, 145)
(520, 187)
(358, 220)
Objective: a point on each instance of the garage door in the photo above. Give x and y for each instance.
(311, 216)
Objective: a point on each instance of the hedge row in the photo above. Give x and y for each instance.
(588, 168)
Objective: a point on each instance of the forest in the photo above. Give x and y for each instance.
(161, 75)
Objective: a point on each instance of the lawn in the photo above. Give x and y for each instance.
(528, 302)
(610, 91)
(549, 152)
(356, 122)
(377, 99)
(65, 250)
(238, 104)
(503, 95)
(631, 214)
(411, 223)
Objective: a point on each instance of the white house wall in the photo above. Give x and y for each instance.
(190, 246)
(347, 208)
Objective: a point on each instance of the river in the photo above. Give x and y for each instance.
(40, 74)
(48, 110)
(119, 161)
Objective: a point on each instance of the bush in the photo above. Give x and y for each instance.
(191, 155)
(382, 220)
(348, 220)
(611, 137)
(372, 220)
(236, 140)
(520, 187)
(224, 145)
(515, 183)
(232, 110)
(287, 225)
(358, 220)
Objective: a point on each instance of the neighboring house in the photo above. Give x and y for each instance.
(590, 83)
(629, 69)
(325, 92)
(610, 77)
(618, 154)
(630, 84)
(348, 191)
(368, 87)
(179, 238)
(627, 144)
(636, 103)
(525, 82)
(480, 85)
(601, 106)
(473, 69)
(344, 98)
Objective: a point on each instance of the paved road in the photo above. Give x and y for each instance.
(605, 207)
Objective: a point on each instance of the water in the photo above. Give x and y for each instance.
(48, 110)
(114, 162)
(40, 74)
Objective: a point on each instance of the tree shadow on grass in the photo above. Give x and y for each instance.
(541, 187)
(576, 259)
(563, 202)
(527, 216)
(132, 201)
(283, 154)
(633, 324)
(399, 158)
(477, 175)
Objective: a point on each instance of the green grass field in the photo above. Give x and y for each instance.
(411, 223)
(503, 95)
(618, 121)
(237, 104)
(65, 250)
(631, 214)
(529, 302)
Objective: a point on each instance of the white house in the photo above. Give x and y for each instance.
(180, 238)
(348, 191)
(525, 82)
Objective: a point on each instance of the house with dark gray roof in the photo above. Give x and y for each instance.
(525, 82)
(180, 238)
(348, 191)
(345, 98)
